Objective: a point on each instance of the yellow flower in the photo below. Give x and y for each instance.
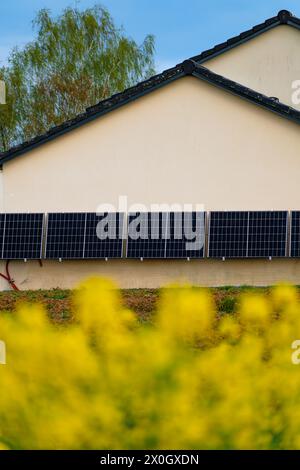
(284, 296)
(255, 312)
(186, 313)
(229, 328)
(187, 381)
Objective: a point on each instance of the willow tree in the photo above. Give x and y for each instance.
(76, 60)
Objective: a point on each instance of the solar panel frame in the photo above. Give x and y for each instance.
(72, 246)
(274, 224)
(95, 248)
(179, 223)
(148, 248)
(227, 248)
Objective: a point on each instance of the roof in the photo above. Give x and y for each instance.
(190, 67)
(284, 17)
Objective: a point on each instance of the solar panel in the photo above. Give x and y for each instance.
(267, 234)
(251, 234)
(104, 235)
(146, 235)
(23, 236)
(65, 235)
(186, 235)
(228, 234)
(295, 234)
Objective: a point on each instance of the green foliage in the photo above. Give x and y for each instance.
(228, 305)
(76, 60)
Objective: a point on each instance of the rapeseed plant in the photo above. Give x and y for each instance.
(190, 380)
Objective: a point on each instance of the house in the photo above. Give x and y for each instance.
(220, 130)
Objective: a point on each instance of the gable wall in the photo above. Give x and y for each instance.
(268, 63)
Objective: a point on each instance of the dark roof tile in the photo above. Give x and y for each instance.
(283, 17)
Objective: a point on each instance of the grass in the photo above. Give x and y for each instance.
(58, 302)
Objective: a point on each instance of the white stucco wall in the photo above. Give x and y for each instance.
(155, 273)
(268, 63)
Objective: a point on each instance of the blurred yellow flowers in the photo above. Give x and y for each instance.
(189, 380)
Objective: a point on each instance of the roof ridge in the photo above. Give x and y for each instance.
(282, 17)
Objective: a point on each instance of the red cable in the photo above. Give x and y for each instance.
(8, 278)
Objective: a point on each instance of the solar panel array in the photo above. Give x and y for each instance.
(159, 235)
(156, 235)
(254, 234)
(83, 235)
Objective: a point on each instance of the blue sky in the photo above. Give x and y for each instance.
(182, 28)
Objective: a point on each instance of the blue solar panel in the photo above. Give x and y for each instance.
(268, 232)
(186, 235)
(228, 234)
(254, 234)
(146, 235)
(84, 235)
(22, 236)
(158, 235)
(65, 235)
(104, 235)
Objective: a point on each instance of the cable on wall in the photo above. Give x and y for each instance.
(8, 277)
